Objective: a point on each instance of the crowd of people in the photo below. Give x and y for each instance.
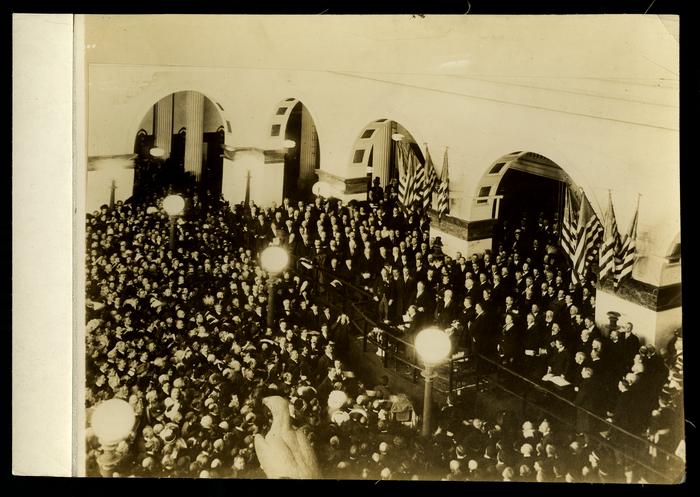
(182, 336)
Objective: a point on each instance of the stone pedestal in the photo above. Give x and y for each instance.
(655, 312)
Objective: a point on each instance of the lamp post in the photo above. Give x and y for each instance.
(112, 421)
(173, 205)
(324, 190)
(112, 193)
(273, 260)
(230, 152)
(433, 346)
(320, 189)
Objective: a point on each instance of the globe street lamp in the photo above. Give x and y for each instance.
(157, 152)
(433, 346)
(273, 260)
(320, 189)
(112, 421)
(173, 205)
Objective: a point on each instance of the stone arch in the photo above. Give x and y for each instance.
(521, 184)
(294, 129)
(169, 134)
(373, 152)
(486, 202)
(147, 101)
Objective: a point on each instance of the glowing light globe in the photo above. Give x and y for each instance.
(289, 144)
(112, 421)
(274, 259)
(337, 399)
(157, 152)
(173, 204)
(433, 345)
(397, 137)
(320, 188)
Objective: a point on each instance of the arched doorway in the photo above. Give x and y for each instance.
(186, 129)
(521, 190)
(374, 151)
(292, 123)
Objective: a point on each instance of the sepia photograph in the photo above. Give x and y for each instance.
(395, 247)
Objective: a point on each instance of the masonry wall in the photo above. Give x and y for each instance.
(627, 146)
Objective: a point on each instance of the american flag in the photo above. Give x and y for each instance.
(407, 174)
(589, 233)
(420, 191)
(444, 189)
(628, 250)
(431, 179)
(611, 239)
(568, 230)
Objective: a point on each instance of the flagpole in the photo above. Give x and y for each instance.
(425, 178)
(439, 208)
(560, 228)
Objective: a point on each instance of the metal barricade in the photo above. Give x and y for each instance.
(538, 401)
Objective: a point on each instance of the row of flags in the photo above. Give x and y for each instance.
(583, 235)
(418, 182)
(617, 253)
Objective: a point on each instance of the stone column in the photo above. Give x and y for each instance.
(381, 154)
(164, 124)
(194, 119)
(308, 154)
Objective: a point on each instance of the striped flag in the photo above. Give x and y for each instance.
(431, 175)
(411, 189)
(419, 186)
(431, 180)
(568, 230)
(589, 233)
(444, 189)
(628, 250)
(407, 173)
(403, 178)
(608, 250)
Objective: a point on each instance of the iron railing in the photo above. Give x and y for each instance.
(480, 372)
